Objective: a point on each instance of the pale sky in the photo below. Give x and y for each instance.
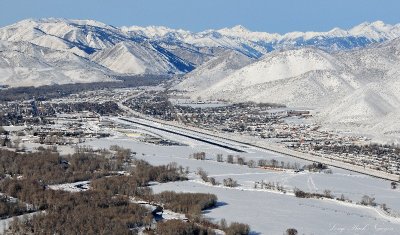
(279, 16)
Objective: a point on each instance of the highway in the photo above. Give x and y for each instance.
(208, 141)
(218, 139)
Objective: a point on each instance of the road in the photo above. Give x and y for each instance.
(212, 142)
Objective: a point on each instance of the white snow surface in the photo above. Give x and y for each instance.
(276, 66)
(134, 58)
(26, 64)
(212, 71)
(71, 187)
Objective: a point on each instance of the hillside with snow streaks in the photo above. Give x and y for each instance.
(313, 89)
(278, 66)
(212, 71)
(305, 77)
(135, 58)
(71, 51)
(62, 34)
(357, 90)
(26, 64)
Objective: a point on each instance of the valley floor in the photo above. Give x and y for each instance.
(269, 211)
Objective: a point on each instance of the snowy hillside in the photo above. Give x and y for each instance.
(310, 90)
(276, 66)
(356, 90)
(135, 58)
(212, 71)
(25, 64)
(86, 35)
(47, 51)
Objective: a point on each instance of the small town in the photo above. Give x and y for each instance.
(273, 123)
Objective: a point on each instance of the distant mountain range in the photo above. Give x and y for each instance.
(256, 44)
(106, 50)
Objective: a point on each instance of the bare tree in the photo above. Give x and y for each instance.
(230, 159)
(291, 231)
(229, 182)
(220, 158)
(368, 201)
(241, 161)
(203, 174)
(262, 162)
(251, 164)
(199, 156)
(213, 181)
(223, 224)
(328, 193)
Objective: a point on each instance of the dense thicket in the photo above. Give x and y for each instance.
(179, 227)
(145, 173)
(33, 192)
(186, 203)
(106, 207)
(11, 207)
(90, 212)
(51, 168)
(237, 229)
(122, 185)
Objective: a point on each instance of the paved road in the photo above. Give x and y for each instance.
(208, 141)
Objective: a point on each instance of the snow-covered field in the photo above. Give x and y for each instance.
(5, 223)
(71, 187)
(271, 212)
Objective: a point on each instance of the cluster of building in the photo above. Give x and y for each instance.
(74, 118)
(379, 157)
(275, 123)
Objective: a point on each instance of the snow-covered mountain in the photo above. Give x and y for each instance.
(161, 50)
(257, 44)
(278, 66)
(144, 58)
(97, 46)
(375, 106)
(299, 77)
(26, 64)
(212, 71)
(63, 34)
(357, 89)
